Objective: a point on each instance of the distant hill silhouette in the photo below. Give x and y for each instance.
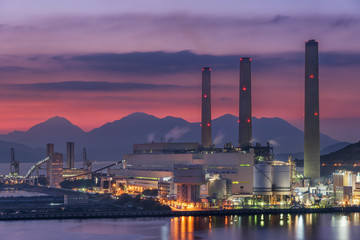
(344, 155)
(23, 153)
(333, 148)
(348, 157)
(52, 130)
(300, 155)
(114, 139)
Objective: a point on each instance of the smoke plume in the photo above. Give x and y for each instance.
(176, 133)
(151, 137)
(219, 138)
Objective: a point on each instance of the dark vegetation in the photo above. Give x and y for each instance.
(152, 192)
(140, 203)
(81, 183)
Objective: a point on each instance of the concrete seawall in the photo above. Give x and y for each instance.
(134, 214)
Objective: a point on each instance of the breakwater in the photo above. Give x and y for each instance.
(137, 214)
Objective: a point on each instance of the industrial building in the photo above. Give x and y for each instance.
(188, 178)
(146, 169)
(346, 186)
(76, 200)
(56, 170)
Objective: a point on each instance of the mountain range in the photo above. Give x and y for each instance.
(114, 139)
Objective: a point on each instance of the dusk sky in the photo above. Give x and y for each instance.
(96, 61)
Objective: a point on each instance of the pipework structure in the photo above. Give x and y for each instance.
(87, 165)
(14, 165)
(311, 118)
(206, 108)
(245, 121)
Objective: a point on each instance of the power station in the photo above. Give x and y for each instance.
(192, 172)
(312, 115)
(180, 168)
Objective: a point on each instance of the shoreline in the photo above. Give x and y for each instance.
(137, 214)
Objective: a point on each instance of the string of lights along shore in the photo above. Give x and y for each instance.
(311, 118)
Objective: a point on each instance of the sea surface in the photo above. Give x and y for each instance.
(17, 193)
(264, 227)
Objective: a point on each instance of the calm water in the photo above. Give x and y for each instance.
(307, 226)
(17, 193)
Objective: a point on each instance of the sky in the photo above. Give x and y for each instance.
(96, 61)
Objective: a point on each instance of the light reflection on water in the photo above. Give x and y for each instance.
(278, 227)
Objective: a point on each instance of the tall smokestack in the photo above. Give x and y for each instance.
(206, 109)
(311, 128)
(245, 121)
(49, 149)
(70, 154)
(49, 152)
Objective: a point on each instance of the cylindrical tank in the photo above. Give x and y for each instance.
(262, 179)
(348, 179)
(281, 179)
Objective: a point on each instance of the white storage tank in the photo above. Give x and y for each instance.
(348, 179)
(281, 180)
(262, 179)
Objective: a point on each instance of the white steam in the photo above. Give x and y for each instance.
(273, 142)
(176, 133)
(219, 138)
(151, 137)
